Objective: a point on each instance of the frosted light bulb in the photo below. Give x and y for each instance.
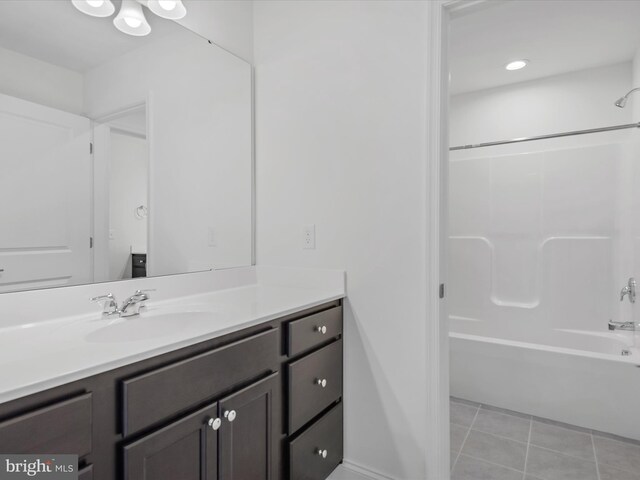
(167, 4)
(133, 22)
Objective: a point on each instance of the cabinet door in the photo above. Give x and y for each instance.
(248, 442)
(185, 450)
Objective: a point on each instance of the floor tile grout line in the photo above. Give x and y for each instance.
(526, 456)
(562, 453)
(491, 463)
(524, 442)
(595, 456)
(466, 437)
(528, 443)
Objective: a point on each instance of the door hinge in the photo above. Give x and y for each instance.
(90, 147)
(442, 290)
(90, 242)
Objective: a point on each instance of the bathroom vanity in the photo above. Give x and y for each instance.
(260, 402)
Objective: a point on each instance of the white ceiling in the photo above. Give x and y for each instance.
(557, 36)
(56, 32)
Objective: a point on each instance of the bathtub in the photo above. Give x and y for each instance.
(573, 376)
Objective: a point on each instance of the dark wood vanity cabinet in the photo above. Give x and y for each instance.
(264, 403)
(185, 449)
(247, 445)
(314, 393)
(232, 439)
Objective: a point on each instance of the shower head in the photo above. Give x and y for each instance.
(622, 101)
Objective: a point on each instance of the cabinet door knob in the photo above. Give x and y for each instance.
(322, 382)
(215, 423)
(322, 329)
(322, 453)
(230, 415)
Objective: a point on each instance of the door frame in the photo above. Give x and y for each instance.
(439, 14)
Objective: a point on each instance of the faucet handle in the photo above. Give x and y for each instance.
(138, 292)
(629, 289)
(143, 293)
(108, 297)
(109, 303)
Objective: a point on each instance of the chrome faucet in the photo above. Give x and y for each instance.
(627, 326)
(109, 304)
(130, 307)
(629, 289)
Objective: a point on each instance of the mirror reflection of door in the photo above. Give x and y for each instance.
(122, 172)
(45, 196)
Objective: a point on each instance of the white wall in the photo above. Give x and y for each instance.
(340, 139)
(40, 82)
(572, 101)
(635, 102)
(229, 23)
(199, 124)
(128, 179)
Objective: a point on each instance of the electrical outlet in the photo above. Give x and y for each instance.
(212, 241)
(309, 236)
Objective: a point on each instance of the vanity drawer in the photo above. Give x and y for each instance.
(64, 427)
(168, 391)
(313, 330)
(306, 452)
(307, 398)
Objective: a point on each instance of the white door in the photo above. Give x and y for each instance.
(45, 196)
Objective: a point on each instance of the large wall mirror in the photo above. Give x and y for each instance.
(121, 156)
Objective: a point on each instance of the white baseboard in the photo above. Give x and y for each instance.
(364, 471)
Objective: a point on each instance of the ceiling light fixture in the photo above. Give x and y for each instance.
(170, 9)
(131, 19)
(516, 65)
(95, 8)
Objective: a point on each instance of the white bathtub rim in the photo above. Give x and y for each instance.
(633, 359)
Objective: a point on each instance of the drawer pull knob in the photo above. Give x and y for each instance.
(230, 415)
(322, 453)
(322, 329)
(215, 423)
(322, 382)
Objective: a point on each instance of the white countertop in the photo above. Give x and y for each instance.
(47, 353)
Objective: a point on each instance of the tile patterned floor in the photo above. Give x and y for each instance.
(489, 443)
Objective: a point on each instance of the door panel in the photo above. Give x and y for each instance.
(185, 450)
(248, 444)
(45, 193)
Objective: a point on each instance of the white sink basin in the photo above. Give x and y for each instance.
(154, 325)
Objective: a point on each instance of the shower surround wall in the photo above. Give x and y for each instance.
(541, 231)
(542, 239)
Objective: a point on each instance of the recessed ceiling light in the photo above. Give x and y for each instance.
(516, 64)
